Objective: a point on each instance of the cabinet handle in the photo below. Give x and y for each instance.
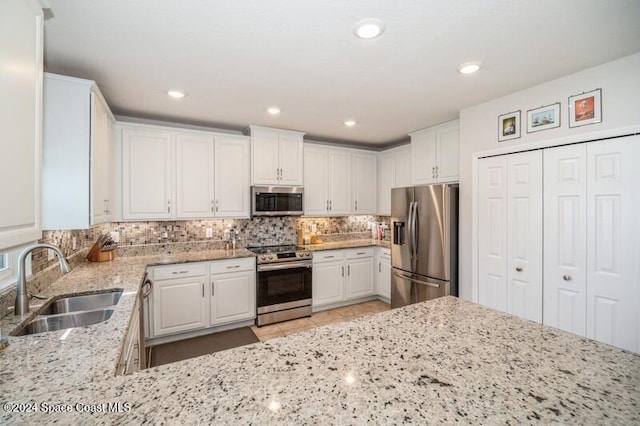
(148, 291)
(566, 277)
(213, 288)
(518, 268)
(233, 266)
(168, 206)
(212, 203)
(330, 205)
(329, 257)
(361, 252)
(379, 266)
(343, 271)
(180, 272)
(349, 270)
(216, 205)
(356, 205)
(327, 205)
(433, 171)
(203, 290)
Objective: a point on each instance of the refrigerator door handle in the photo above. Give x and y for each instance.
(410, 232)
(413, 280)
(415, 230)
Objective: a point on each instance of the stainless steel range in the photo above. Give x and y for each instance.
(283, 283)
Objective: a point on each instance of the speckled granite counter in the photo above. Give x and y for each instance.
(442, 361)
(336, 245)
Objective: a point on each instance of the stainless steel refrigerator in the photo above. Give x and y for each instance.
(424, 243)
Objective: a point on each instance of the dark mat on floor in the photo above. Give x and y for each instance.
(198, 346)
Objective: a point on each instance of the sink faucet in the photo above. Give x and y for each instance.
(22, 296)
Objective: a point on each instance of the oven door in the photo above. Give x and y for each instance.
(282, 286)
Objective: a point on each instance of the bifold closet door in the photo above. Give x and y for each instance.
(565, 238)
(510, 234)
(613, 241)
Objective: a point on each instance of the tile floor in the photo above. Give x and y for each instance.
(319, 319)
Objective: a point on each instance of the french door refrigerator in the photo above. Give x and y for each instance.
(424, 243)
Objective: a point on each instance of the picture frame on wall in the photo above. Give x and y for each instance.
(509, 126)
(543, 118)
(585, 108)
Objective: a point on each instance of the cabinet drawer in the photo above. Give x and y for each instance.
(327, 256)
(384, 253)
(183, 270)
(233, 265)
(359, 252)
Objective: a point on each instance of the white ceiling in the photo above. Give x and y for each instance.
(236, 58)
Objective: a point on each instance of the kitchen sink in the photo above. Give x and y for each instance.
(43, 324)
(72, 311)
(84, 302)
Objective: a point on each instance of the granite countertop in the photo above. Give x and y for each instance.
(336, 245)
(441, 361)
(49, 362)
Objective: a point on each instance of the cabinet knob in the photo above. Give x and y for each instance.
(519, 268)
(566, 277)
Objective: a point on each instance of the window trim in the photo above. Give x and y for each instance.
(9, 277)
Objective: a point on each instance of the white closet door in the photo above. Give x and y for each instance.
(565, 238)
(613, 241)
(492, 232)
(524, 218)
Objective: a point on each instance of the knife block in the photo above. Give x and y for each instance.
(97, 255)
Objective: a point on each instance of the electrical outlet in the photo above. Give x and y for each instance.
(369, 223)
(208, 232)
(115, 236)
(314, 228)
(74, 243)
(50, 254)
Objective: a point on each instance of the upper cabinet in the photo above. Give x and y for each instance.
(434, 152)
(21, 121)
(276, 156)
(179, 174)
(338, 181)
(394, 171)
(77, 150)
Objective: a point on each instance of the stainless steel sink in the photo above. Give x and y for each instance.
(85, 302)
(43, 324)
(72, 311)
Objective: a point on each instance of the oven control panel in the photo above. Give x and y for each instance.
(273, 257)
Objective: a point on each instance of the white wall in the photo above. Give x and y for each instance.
(620, 84)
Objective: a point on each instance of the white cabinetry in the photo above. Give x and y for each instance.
(233, 291)
(394, 171)
(364, 182)
(76, 165)
(147, 174)
(434, 152)
(212, 176)
(179, 302)
(207, 177)
(342, 275)
(276, 156)
(510, 238)
(383, 273)
(591, 240)
(21, 121)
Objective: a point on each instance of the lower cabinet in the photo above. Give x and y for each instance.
(196, 296)
(383, 273)
(342, 275)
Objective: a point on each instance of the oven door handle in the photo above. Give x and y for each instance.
(288, 265)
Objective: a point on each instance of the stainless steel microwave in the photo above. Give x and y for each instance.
(276, 201)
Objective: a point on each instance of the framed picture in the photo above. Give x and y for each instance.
(585, 108)
(509, 126)
(543, 118)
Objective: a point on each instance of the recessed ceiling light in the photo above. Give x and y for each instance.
(176, 94)
(469, 67)
(350, 123)
(368, 28)
(273, 110)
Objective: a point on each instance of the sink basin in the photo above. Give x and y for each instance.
(43, 324)
(85, 302)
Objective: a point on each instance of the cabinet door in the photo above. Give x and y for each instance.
(423, 155)
(99, 161)
(264, 157)
(565, 238)
(383, 276)
(147, 174)
(233, 297)
(613, 248)
(290, 158)
(360, 280)
(524, 218)
(492, 232)
(448, 147)
(402, 169)
(231, 177)
(385, 182)
(339, 182)
(328, 278)
(194, 170)
(364, 174)
(316, 180)
(179, 305)
(109, 168)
